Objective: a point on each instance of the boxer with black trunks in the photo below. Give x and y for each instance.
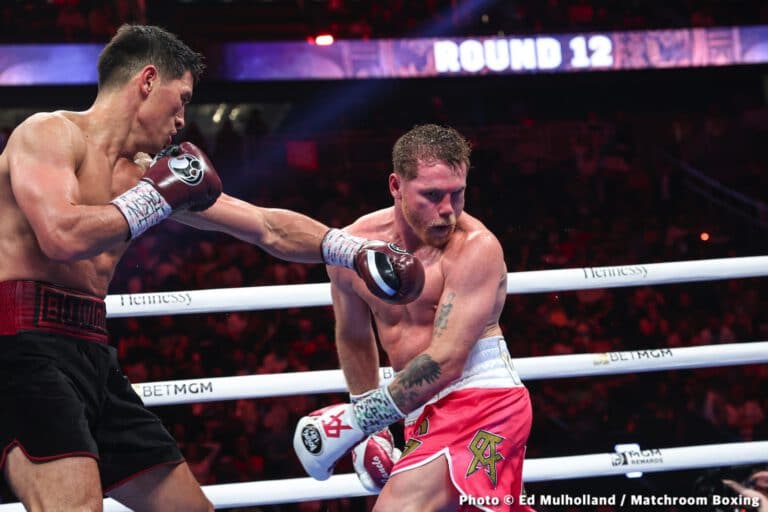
(71, 199)
(468, 415)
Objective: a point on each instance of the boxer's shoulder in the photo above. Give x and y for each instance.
(374, 225)
(472, 241)
(49, 130)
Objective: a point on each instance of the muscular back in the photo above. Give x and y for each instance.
(96, 183)
(405, 331)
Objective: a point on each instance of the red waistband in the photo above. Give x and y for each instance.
(36, 306)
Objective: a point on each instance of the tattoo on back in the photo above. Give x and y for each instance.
(441, 322)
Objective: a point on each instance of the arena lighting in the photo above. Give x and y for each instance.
(323, 39)
(704, 236)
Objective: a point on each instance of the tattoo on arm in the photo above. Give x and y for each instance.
(422, 370)
(441, 322)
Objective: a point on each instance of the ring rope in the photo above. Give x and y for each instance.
(580, 466)
(292, 490)
(529, 368)
(222, 300)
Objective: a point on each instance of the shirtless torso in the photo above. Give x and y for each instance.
(96, 182)
(455, 378)
(406, 331)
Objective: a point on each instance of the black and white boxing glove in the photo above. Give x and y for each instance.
(390, 272)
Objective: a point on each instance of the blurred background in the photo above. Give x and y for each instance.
(585, 167)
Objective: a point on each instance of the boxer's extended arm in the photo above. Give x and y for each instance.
(285, 234)
(355, 341)
(390, 273)
(44, 153)
(473, 286)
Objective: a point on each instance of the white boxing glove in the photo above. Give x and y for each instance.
(374, 458)
(326, 435)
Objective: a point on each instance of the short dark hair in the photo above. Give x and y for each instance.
(135, 46)
(429, 143)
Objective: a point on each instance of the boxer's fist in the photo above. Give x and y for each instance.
(185, 177)
(325, 436)
(179, 177)
(390, 273)
(374, 458)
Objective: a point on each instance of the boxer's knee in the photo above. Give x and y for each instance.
(70, 483)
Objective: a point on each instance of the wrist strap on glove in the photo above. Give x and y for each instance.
(376, 411)
(143, 207)
(339, 248)
(353, 398)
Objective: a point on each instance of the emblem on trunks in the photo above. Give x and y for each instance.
(411, 444)
(187, 168)
(311, 439)
(483, 447)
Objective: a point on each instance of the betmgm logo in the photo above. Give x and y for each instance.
(634, 457)
(187, 168)
(619, 459)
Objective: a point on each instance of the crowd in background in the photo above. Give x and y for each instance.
(600, 189)
(585, 189)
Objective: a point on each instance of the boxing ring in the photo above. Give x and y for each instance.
(646, 459)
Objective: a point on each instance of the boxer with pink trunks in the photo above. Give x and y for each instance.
(468, 414)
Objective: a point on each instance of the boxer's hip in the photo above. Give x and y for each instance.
(488, 365)
(34, 306)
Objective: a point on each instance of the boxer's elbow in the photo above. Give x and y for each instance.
(56, 247)
(60, 241)
(451, 370)
(451, 363)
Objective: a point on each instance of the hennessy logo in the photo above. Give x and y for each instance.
(334, 426)
(483, 447)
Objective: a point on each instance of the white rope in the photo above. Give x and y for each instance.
(293, 490)
(221, 300)
(529, 368)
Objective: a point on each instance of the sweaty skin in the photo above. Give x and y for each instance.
(94, 183)
(282, 233)
(428, 340)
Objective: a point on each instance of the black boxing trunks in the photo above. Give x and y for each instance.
(62, 392)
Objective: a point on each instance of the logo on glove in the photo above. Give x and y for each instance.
(396, 248)
(311, 439)
(187, 168)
